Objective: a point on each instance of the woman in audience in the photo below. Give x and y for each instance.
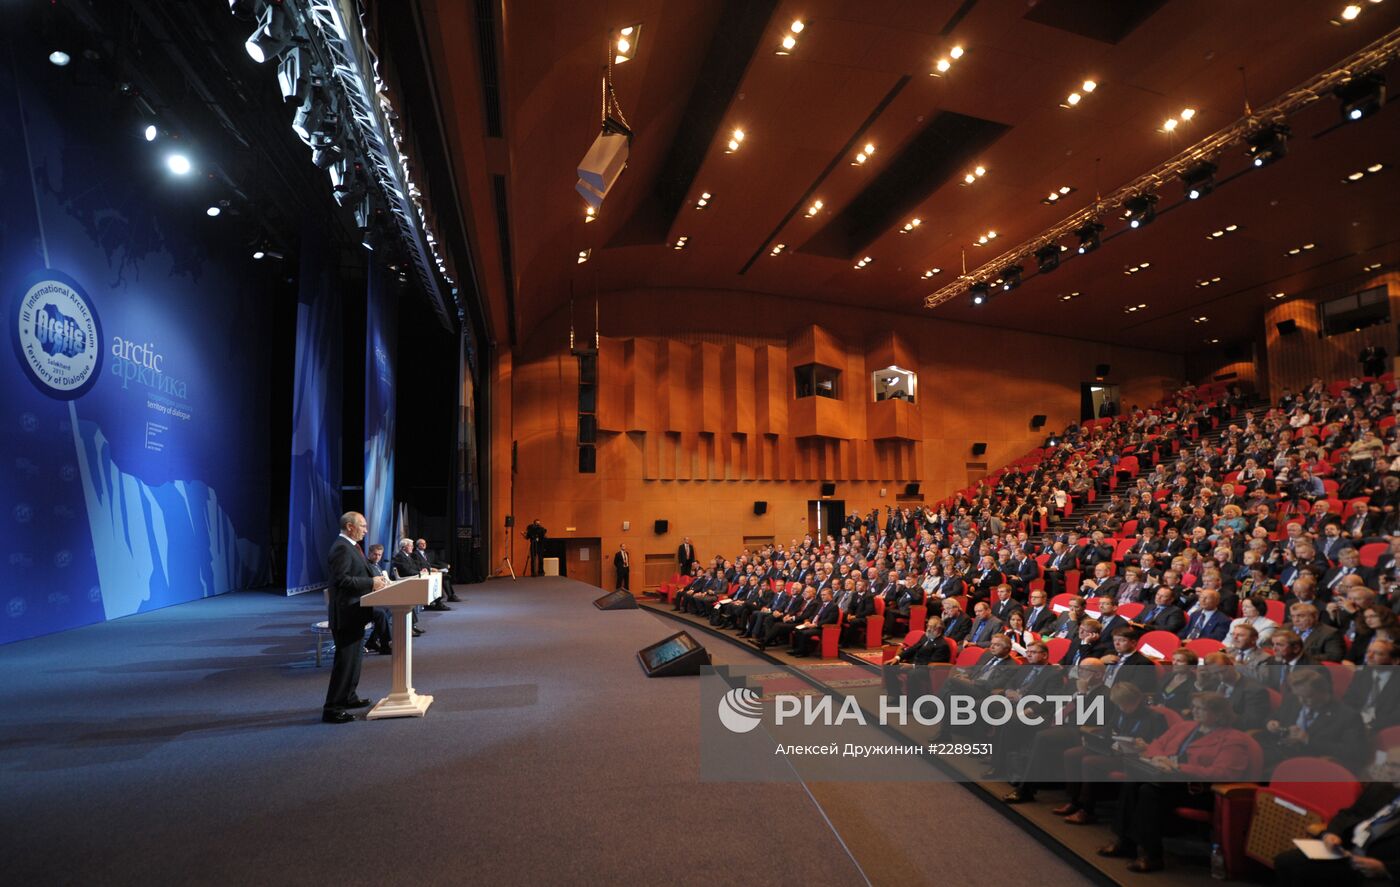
(1180, 683)
(1254, 611)
(1231, 519)
(1373, 622)
(1190, 755)
(1017, 631)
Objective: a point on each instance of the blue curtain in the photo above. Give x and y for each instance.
(381, 368)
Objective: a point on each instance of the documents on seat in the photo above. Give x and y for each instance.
(401, 597)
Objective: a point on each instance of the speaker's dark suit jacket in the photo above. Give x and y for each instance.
(350, 577)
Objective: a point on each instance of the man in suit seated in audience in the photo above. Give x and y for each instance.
(1288, 657)
(956, 623)
(912, 662)
(858, 611)
(1101, 583)
(1164, 614)
(1042, 748)
(1091, 644)
(1127, 664)
(1066, 625)
(781, 629)
(1062, 559)
(807, 634)
(909, 594)
(991, 671)
(985, 578)
(1039, 614)
(1348, 564)
(1249, 699)
(1003, 605)
(1243, 648)
(1321, 642)
(1366, 836)
(985, 626)
(783, 601)
(1108, 615)
(726, 612)
(1374, 692)
(1207, 621)
(1312, 723)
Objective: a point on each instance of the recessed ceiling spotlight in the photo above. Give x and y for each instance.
(1133, 309)
(736, 138)
(789, 41)
(583, 255)
(863, 262)
(590, 214)
(777, 250)
(1074, 98)
(932, 271)
(1213, 341)
(60, 58)
(1372, 267)
(815, 208)
(1375, 167)
(1068, 296)
(703, 200)
(864, 154)
(1207, 281)
(945, 63)
(681, 242)
(986, 238)
(1089, 86)
(179, 164)
(1278, 297)
(1057, 195)
(1200, 319)
(910, 225)
(956, 52)
(150, 132)
(1350, 12)
(213, 211)
(1187, 114)
(1221, 232)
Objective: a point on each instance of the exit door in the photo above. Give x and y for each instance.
(825, 517)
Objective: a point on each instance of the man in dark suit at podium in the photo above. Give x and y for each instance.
(350, 577)
(622, 566)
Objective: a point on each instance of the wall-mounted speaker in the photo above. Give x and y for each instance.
(911, 489)
(760, 508)
(828, 489)
(510, 520)
(587, 429)
(1038, 420)
(979, 448)
(661, 526)
(1287, 327)
(1101, 370)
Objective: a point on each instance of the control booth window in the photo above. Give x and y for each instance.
(816, 380)
(1356, 311)
(895, 383)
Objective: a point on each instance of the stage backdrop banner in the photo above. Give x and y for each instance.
(381, 367)
(312, 522)
(134, 452)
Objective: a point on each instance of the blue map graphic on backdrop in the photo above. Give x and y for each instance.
(135, 494)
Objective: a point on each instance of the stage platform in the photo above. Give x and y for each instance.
(186, 745)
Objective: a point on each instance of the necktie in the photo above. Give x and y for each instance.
(1305, 717)
(1367, 830)
(1196, 624)
(1030, 676)
(977, 634)
(1153, 614)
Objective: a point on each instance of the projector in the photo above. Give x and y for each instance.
(603, 163)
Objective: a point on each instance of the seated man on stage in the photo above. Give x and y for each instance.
(380, 636)
(420, 554)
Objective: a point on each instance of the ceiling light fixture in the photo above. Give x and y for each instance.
(1011, 277)
(681, 242)
(1361, 96)
(1068, 296)
(980, 293)
(179, 164)
(703, 200)
(777, 250)
(863, 262)
(945, 63)
(626, 44)
(986, 238)
(589, 214)
(583, 255)
(1057, 195)
(932, 271)
(736, 138)
(1047, 258)
(1089, 236)
(60, 58)
(1268, 144)
(1199, 180)
(865, 154)
(1140, 210)
(910, 226)
(815, 208)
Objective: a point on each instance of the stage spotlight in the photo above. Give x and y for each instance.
(60, 58)
(1268, 144)
(1361, 96)
(311, 116)
(1088, 235)
(1199, 180)
(1011, 277)
(150, 132)
(273, 35)
(1048, 257)
(980, 293)
(293, 75)
(213, 212)
(179, 164)
(1142, 209)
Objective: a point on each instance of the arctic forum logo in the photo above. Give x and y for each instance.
(740, 710)
(57, 335)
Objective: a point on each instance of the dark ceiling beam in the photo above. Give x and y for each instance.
(736, 38)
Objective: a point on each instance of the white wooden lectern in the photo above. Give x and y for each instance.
(401, 597)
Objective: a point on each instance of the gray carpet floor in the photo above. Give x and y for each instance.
(185, 745)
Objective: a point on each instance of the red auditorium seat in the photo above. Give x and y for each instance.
(1203, 647)
(1370, 553)
(1130, 611)
(1228, 819)
(969, 655)
(1058, 648)
(1163, 642)
(1317, 786)
(1387, 739)
(1341, 678)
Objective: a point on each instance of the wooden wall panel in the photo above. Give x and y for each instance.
(710, 427)
(1294, 360)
